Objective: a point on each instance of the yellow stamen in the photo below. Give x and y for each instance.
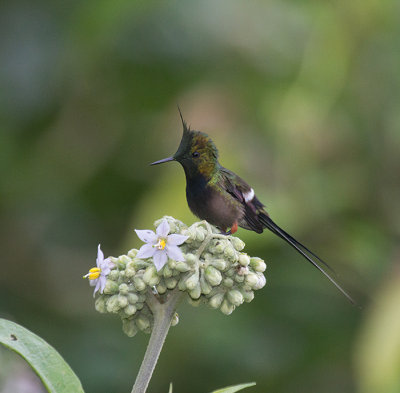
(94, 273)
(161, 244)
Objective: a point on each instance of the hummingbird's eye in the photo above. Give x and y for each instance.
(196, 154)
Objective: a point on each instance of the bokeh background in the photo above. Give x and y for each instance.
(303, 101)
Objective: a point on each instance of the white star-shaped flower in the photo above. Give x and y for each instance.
(160, 245)
(98, 275)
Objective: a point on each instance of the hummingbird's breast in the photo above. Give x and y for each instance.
(211, 203)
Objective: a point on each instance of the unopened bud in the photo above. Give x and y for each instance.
(142, 322)
(123, 289)
(130, 310)
(100, 304)
(171, 282)
(175, 319)
(196, 291)
(112, 304)
(260, 282)
(227, 282)
(111, 287)
(132, 253)
(182, 267)
(235, 297)
(150, 276)
(205, 286)
(161, 287)
(244, 259)
(237, 243)
(258, 264)
(133, 298)
(129, 327)
(219, 264)
(139, 283)
(213, 275)
(248, 296)
(226, 307)
(216, 300)
(122, 301)
(192, 281)
(251, 279)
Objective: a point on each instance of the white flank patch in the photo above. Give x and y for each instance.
(248, 196)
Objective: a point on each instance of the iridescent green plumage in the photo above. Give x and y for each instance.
(221, 197)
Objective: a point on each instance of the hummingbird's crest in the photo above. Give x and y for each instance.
(193, 142)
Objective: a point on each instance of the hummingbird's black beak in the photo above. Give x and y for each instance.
(163, 160)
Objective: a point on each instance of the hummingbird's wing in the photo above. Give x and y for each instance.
(240, 190)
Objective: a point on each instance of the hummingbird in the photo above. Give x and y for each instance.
(225, 200)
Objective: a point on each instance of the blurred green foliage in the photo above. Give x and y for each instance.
(302, 98)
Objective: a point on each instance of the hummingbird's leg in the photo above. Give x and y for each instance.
(231, 231)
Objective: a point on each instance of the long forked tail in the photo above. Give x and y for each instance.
(303, 250)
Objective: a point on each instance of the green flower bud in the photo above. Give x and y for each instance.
(258, 264)
(190, 258)
(114, 275)
(112, 304)
(130, 272)
(231, 272)
(260, 282)
(124, 259)
(130, 310)
(226, 307)
(111, 287)
(205, 286)
(196, 291)
(172, 264)
(133, 298)
(192, 281)
(216, 300)
(182, 267)
(100, 304)
(248, 296)
(132, 253)
(150, 276)
(175, 319)
(220, 247)
(142, 322)
(123, 289)
(244, 259)
(235, 297)
(219, 264)
(227, 282)
(129, 327)
(237, 243)
(167, 271)
(139, 283)
(171, 282)
(200, 234)
(182, 284)
(239, 278)
(230, 253)
(213, 275)
(251, 279)
(122, 301)
(161, 288)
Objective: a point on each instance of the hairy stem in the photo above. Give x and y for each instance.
(163, 314)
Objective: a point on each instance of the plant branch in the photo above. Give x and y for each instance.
(163, 314)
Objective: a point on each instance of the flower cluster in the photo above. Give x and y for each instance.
(210, 267)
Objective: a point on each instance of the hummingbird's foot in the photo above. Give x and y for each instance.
(231, 231)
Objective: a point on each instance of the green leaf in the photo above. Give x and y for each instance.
(235, 388)
(48, 364)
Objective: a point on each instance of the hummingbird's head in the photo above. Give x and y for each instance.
(196, 153)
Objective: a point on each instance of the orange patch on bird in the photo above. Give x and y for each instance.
(234, 227)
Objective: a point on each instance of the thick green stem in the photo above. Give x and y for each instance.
(163, 314)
